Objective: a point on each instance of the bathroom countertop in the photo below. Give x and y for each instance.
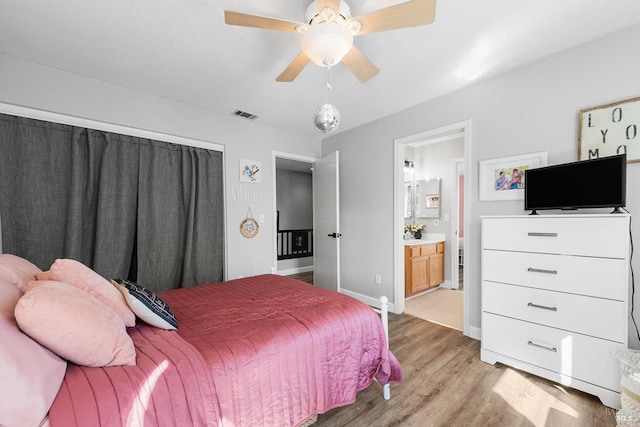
(426, 239)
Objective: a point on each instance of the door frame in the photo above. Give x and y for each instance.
(457, 166)
(289, 156)
(398, 211)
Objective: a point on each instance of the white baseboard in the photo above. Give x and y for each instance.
(446, 284)
(475, 333)
(296, 270)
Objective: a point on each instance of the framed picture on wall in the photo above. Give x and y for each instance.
(250, 171)
(610, 129)
(503, 178)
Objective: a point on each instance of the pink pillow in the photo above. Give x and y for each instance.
(79, 275)
(74, 324)
(17, 271)
(30, 374)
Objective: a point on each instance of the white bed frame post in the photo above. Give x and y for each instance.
(384, 316)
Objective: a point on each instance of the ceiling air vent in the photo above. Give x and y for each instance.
(244, 114)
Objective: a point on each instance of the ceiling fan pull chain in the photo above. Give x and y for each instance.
(329, 87)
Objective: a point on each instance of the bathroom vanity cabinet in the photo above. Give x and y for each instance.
(423, 266)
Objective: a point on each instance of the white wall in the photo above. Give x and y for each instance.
(31, 85)
(534, 108)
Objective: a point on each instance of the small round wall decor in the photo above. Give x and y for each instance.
(248, 226)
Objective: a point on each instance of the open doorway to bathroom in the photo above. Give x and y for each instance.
(436, 155)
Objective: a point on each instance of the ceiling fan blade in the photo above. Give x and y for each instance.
(333, 4)
(255, 21)
(360, 65)
(293, 69)
(409, 14)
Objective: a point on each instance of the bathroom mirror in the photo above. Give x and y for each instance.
(427, 198)
(408, 200)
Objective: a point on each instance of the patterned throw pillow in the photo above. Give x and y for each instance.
(146, 305)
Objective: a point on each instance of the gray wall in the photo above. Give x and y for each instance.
(294, 199)
(534, 108)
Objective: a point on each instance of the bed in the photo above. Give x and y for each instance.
(263, 350)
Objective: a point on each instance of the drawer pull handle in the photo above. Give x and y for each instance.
(532, 234)
(540, 270)
(545, 347)
(544, 307)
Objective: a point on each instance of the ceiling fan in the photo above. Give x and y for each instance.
(326, 36)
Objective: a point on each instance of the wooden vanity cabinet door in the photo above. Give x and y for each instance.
(419, 273)
(436, 269)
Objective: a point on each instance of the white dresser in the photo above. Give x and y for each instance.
(555, 292)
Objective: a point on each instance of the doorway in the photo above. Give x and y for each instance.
(453, 219)
(293, 216)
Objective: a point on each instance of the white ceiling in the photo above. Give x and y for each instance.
(182, 50)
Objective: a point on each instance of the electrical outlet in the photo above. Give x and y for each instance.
(378, 279)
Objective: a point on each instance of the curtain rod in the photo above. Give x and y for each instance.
(33, 113)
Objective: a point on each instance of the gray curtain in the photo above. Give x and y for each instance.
(119, 204)
(180, 226)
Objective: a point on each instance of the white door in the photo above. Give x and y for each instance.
(326, 251)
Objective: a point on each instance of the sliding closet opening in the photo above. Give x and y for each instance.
(106, 199)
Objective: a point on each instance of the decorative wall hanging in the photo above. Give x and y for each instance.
(610, 129)
(503, 178)
(250, 171)
(248, 226)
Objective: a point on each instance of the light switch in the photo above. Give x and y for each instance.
(261, 218)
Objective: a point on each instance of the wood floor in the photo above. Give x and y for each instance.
(305, 277)
(446, 384)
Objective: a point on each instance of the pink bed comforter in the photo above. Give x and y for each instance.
(263, 350)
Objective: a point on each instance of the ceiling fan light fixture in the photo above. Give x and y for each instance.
(326, 43)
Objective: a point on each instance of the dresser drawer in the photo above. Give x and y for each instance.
(579, 356)
(597, 317)
(597, 277)
(584, 235)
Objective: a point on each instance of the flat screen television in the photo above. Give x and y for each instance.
(595, 183)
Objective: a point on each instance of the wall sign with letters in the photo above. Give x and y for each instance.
(610, 129)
